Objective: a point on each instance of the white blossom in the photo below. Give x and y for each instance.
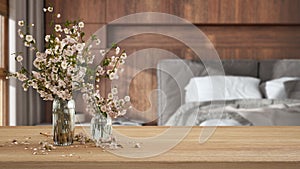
(58, 28)
(123, 56)
(21, 23)
(50, 9)
(66, 30)
(48, 51)
(102, 52)
(72, 40)
(26, 44)
(127, 98)
(80, 46)
(68, 52)
(57, 40)
(36, 63)
(110, 96)
(103, 108)
(34, 85)
(117, 50)
(21, 76)
(64, 65)
(21, 35)
(28, 38)
(121, 62)
(39, 55)
(114, 91)
(19, 58)
(112, 76)
(36, 74)
(80, 24)
(55, 69)
(121, 102)
(90, 59)
(80, 59)
(98, 41)
(47, 38)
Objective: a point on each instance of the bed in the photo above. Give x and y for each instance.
(245, 92)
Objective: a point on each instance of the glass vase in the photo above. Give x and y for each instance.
(101, 128)
(63, 121)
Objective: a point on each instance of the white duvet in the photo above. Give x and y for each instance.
(235, 113)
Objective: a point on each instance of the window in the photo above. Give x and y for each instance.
(3, 62)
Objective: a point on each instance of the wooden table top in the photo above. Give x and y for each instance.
(228, 147)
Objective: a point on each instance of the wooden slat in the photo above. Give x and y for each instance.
(243, 42)
(215, 11)
(4, 113)
(4, 102)
(255, 42)
(118, 8)
(4, 7)
(229, 147)
(237, 11)
(2, 72)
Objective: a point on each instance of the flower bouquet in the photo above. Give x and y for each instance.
(63, 68)
(104, 108)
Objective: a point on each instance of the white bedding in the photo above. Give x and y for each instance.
(268, 113)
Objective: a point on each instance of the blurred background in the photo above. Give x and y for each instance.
(238, 29)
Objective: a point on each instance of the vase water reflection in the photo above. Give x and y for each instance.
(101, 128)
(63, 121)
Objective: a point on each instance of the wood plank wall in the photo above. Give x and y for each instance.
(239, 29)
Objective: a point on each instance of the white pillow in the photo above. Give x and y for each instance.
(274, 89)
(224, 88)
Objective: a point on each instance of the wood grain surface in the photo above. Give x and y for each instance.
(229, 147)
(213, 11)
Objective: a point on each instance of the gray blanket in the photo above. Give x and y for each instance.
(258, 112)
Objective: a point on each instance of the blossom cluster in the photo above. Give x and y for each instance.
(56, 71)
(110, 105)
(65, 66)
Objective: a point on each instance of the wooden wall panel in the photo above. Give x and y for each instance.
(118, 8)
(89, 29)
(4, 7)
(239, 42)
(237, 11)
(91, 11)
(231, 42)
(255, 42)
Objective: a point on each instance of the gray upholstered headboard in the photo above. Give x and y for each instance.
(174, 74)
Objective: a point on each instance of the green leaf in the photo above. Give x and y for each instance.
(114, 45)
(94, 37)
(82, 34)
(105, 62)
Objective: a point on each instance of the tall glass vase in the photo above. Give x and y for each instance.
(101, 128)
(63, 121)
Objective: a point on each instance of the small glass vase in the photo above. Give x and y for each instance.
(63, 121)
(101, 128)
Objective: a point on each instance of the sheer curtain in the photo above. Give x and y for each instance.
(28, 106)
